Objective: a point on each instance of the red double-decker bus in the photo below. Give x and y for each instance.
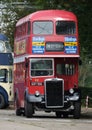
(46, 60)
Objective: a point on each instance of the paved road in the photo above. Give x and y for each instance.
(44, 121)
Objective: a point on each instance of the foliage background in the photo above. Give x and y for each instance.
(82, 8)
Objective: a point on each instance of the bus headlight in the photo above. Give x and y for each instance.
(71, 91)
(37, 93)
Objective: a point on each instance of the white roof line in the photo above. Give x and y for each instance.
(19, 59)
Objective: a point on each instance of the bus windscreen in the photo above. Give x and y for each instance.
(6, 59)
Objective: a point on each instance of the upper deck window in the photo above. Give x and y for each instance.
(29, 27)
(43, 27)
(65, 27)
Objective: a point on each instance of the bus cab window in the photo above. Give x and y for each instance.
(41, 67)
(3, 75)
(65, 69)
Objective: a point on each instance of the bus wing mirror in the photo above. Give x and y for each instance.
(26, 62)
(26, 65)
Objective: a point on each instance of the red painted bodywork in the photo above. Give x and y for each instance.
(23, 50)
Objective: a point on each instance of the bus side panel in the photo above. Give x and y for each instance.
(19, 83)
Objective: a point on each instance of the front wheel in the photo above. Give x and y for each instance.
(2, 101)
(17, 106)
(28, 109)
(77, 110)
(18, 112)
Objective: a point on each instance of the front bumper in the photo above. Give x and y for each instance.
(68, 101)
(74, 97)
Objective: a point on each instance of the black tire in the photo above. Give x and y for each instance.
(58, 114)
(65, 115)
(18, 112)
(18, 109)
(77, 110)
(28, 109)
(2, 101)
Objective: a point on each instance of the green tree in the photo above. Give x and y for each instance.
(11, 11)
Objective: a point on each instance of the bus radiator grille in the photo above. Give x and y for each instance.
(54, 94)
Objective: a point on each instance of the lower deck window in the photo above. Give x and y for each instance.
(10, 75)
(65, 69)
